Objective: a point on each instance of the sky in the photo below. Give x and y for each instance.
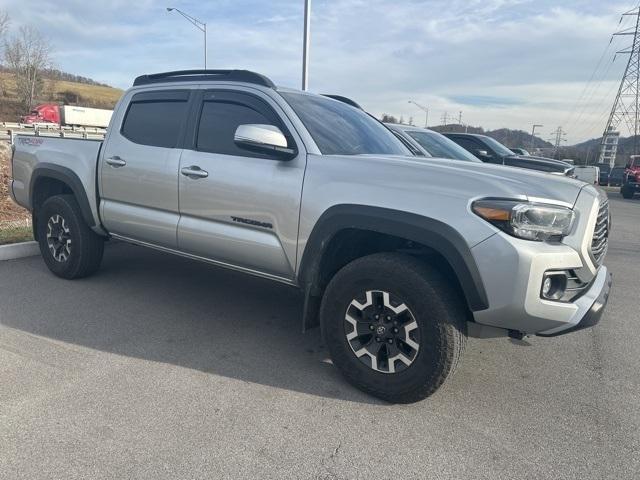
(502, 63)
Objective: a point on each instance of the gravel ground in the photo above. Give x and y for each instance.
(159, 367)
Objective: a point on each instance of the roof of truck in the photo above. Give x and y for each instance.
(245, 76)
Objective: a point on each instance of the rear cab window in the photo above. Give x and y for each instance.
(156, 118)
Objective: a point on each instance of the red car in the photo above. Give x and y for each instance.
(631, 184)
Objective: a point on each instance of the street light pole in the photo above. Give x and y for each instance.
(533, 132)
(305, 44)
(425, 110)
(200, 25)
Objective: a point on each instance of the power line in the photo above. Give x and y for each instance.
(595, 80)
(625, 110)
(586, 86)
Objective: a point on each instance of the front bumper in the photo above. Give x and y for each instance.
(513, 271)
(600, 290)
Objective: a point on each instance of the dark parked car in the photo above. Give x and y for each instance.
(616, 176)
(490, 150)
(605, 169)
(520, 151)
(427, 143)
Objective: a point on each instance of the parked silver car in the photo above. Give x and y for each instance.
(428, 143)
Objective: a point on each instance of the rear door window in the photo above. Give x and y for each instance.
(156, 118)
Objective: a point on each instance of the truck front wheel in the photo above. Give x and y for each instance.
(70, 249)
(394, 326)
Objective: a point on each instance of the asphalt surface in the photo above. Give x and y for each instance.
(160, 367)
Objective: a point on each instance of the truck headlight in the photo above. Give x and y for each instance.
(531, 221)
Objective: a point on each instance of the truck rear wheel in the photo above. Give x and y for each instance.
(70, 249)
(394, 326)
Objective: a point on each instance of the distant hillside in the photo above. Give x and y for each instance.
(58, 91)
(589, 151)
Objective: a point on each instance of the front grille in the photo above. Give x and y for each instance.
(601, 233)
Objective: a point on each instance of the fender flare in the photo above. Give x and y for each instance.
(67, 176)
(439, 236)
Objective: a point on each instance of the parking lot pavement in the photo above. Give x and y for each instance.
(160, 367)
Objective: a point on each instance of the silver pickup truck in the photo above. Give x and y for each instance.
(399, 257)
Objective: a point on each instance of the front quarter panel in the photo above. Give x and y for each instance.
(395, 183)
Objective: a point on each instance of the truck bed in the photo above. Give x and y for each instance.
(68, 157)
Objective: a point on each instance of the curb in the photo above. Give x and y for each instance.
(19, 250)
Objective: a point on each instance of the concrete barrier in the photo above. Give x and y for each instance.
(18, 250)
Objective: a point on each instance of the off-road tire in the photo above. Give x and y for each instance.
(85, 250)
(438, 309)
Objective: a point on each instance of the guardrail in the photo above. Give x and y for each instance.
(8, 130)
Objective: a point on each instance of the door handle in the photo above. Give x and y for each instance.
(194, 172)
(115, 161)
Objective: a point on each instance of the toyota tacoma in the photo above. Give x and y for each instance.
(400, 258)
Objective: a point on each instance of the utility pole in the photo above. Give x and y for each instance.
(425, 110)
(557, 141)
(533, 133)
(445, 118)
(305, 44)
(626, 109)
(460, 118)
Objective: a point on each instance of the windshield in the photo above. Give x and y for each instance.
(440, 146)
(339, 129)
(497, 147)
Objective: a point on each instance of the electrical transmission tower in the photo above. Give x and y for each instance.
(557, 140)
(625, 111)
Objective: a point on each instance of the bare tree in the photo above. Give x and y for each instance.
(386, 118)
(4, 23)
(4, 27)
(27, 54)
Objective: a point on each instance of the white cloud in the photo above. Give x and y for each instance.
(535, 55)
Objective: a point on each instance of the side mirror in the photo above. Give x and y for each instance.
(482, 153)
(267, 139)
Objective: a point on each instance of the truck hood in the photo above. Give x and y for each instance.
(488, 180)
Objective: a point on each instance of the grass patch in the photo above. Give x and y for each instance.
(15, 234)
(55, 91)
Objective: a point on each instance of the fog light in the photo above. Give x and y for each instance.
(554, 285)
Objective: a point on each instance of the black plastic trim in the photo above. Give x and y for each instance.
(343, 99)
(162, 95)
(67, 176)
(245, 76)
(434, 234)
